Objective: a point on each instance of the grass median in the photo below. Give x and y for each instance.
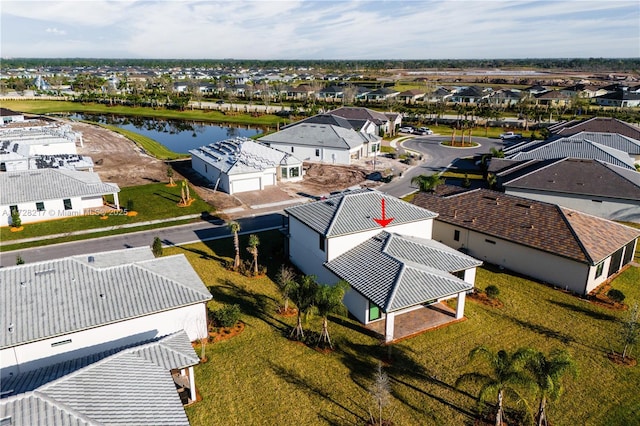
(261, 377)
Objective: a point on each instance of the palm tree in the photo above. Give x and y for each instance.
(170, 175)
(253, 244)
(303, 295)
(548, 373)
(427, 183)
(505, 378)
(497, 153)
(234, 227)
(285, 280)
(329, 299)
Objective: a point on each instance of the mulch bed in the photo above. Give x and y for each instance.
(599, 297)
(218, 334)
(616, 358)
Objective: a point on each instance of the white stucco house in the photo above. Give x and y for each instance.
(392, 270)
(59, 310)
(48, 194)
(241, 165)
(147, 383)
(10, 116)
(325, 138)
(553, 244)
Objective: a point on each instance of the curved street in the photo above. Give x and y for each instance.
(436, 158)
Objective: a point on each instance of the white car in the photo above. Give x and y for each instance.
(426, 131)
(405, 130)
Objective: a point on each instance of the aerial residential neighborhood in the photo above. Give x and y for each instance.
(304, 232)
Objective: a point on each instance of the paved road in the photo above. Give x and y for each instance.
(436, 158)
(183, 234)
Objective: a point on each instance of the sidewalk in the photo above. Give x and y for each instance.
(96, 230)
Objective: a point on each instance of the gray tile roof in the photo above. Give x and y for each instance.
(242, 155)
(359, 113)
(50, 184)
(354, 212)
(596, 124)
(612, 140)
(397, 272)
(133, 386)
(318, 135)
(572, 148)
(584, 177)
(57, 297)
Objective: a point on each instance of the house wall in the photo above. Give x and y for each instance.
(338, 245)
(53, 209)
(39, 354)
(605, 207)
(308, 153)
(537, 264)
(305, 253)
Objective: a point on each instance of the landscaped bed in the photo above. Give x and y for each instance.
(262, 377)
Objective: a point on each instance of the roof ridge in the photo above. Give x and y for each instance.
(335, 214)
(137, 264)
(396, 283)
(534, 171)
(576, 237)
(62, 406)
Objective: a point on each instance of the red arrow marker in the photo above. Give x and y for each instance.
(385, 220)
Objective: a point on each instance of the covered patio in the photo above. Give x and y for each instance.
(415, 322)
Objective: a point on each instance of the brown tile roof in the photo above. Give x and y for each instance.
(535, 224)
(598, 124)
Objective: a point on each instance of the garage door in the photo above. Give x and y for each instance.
(244, 185)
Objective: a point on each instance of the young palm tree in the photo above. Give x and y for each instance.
(548, 373)
(427, 183)
(329, 299)
(234, 227)
(303, 295)
(504, 380)
(253, 244)
(170, 175)
(286, 281)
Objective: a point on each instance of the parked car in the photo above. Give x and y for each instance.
(406, 129)
(220, 102)
(426, 131)
(511, 136)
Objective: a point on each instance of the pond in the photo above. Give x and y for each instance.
(177, 135)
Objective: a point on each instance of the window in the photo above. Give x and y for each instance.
(374, 311)
(40, 206)
(456, 235)
(490, 241)
(284, 173)
(321, 242)
(291, 149)
(67, 204)
(317, 152)
(599, 269)
(294, 172)
(13, 209)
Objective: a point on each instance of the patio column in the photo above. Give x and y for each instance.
(389, 326)
(116, 200)
(460, 306)
(192, 384)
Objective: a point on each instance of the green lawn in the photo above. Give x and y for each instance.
(151, 201)
(260, 377)
(45, 107)
(151, 146)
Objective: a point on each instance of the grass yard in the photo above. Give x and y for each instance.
(45, 107)
(261, 377)
(151, 146)
(152, 201)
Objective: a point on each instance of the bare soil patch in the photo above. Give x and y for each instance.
(485, 300)
(616, 358)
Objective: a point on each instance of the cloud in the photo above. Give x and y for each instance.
(309, 29)
(56, 31)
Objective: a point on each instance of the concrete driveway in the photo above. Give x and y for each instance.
(436, 158)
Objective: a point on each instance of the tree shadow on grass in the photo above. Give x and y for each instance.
(203, 254)
(295, 379)
(582, 310)
(171, 197)
(256, 305)
(542, 330)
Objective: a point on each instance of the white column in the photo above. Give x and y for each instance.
(192, 384)
(116, 200)
(389, 326)
(460, 306)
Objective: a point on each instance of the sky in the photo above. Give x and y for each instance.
(318, 29)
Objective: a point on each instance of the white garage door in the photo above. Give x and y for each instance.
(244, 185)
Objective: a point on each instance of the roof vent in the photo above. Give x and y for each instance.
(10, 328)
(91, 259)
(102, 295)
(45, 272)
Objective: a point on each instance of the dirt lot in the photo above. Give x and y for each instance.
(120, 161)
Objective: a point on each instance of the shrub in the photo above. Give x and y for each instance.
(492, 291)
(227, 316)
(156, 247)
(616, 295)
(16, 221)
(19, 260)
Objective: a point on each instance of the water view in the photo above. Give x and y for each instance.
(177, 135)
